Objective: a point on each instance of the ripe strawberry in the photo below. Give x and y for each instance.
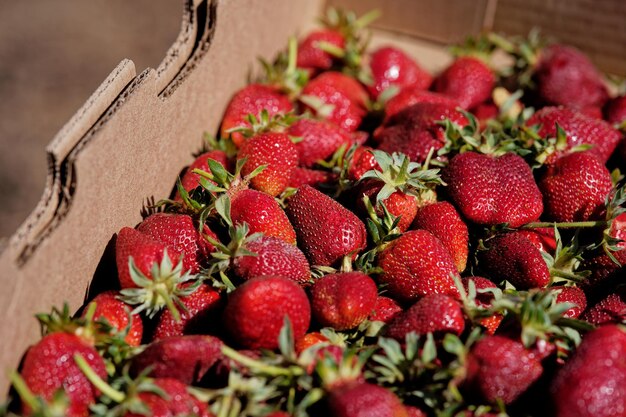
(565, 76)
(514, 258)
(256, 310)
(342, 232)
(580, 129)
(343, 300)
(615, 110)
(319, 140)
(593, 382)
(308, 340)
(493, 189)
(118, 315)
(611, 309)
(313, 177)
(179, 233)
(500, 369)
(414, 412)
(542, 237)
(413, 95)
(390, 66)
(174, 400)
(415, 265)
(573, 295)
(361, 399)
(252, 99)
(278, 153)
(436, 313)
(468, 80)
(485, 112)
(346, 96)
(484, 300)
(385, 309)
(362, 160)
(273, 256)
(190, 180)
(575, 188)
(444, 222)
(311, 56)
(263, 214)
(185, 358)
(416, 130)
(49, 366)
(203, 307)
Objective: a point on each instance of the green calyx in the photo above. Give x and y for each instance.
(263, 122)
(57, 406)
(283, 72)
(563, 266)
(162, 289)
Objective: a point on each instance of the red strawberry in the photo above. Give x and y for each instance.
(611, 309)
(501, 369)
(493, 189)
(575, 188)
(362, 160)
(346, 96)
(413, 95)
(312, 177)
(415, 265)
(49, 366)
(436, 313)
(361, 399)
(399, 204)
(416, 130)
(485, 112)
(272, 256)
(252, 99)
(319, 140)
(593, 382)
(391, 66)
(343, 300)
(542, 237)
(565, 76)
(615, 110)
(414, 412)
(117, 314)
(385, 309)
(177, 401)
(484, 299)
(203, 307)
(311, 56)
(185, 358)
(513, 257)
(444, 222)
(342, 233)
(277, 152)
(308, 340)
(179, 233)
(580, 129)
(256, 310)
(190, 180)
(467, 80)
(573, 295)
(263, 214)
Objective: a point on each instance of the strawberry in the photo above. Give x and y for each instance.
(145, 251)
(385, 309)
(110, 308)
(565, 76)
(467, 80)
(414, 412)
(319, 140)
(185, 358)
(493, 189)
(361, 161)
(436, 313)
(413, 95)
(311, 56)
(272, 257)
(444, 222)
(252, 99)
(416, 130)
(615, 110)
(579, 128)
(277, 152)
(191, 180)
(256, 310)
(573, 295)
(415, 265)
(390, 66)
(593, 381)
(308, 340)
(542, 237)
(483, 300)
(263, 214)
(170, 398)
(343, 300)
(313, 177)
(575, 188)
(343, 233)
(500, 369)
(346, 96)
(514, 258)
(202, 307)
(49, 366)
(178, 232)
(611, 309)
(361, 399)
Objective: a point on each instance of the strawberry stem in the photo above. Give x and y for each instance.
(566, 225)
(570, 276)
(26, 395)
(259, 366)
(98, 382)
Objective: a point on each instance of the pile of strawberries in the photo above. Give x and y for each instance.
(364, 238)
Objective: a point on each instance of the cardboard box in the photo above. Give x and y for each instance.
(132, 137)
